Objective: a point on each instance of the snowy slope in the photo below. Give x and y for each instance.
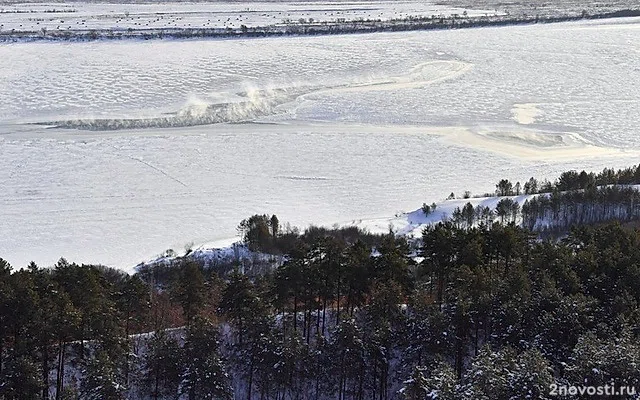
(408, 225)
(412, 223)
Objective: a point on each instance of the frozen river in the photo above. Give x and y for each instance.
(163, 143)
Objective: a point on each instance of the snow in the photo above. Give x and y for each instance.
(84, 17)
(335, 133)
(411, 224)
(525, 114)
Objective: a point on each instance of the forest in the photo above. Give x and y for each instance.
(574, 199)
(488, 310)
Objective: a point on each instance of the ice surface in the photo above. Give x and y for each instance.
(364, 126)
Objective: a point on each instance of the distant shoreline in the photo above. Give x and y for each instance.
(307, 29)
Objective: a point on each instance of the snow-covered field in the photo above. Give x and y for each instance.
(314, 129)
(81, 16)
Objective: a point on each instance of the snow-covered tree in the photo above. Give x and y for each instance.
(415, 388)
(425, 336)
(20, 380)
(161, 366)
(440, 384)
(204, 376)
(598, 362)
(292, 367)
(101, 379)
(507, 375)
(190, 291)
(560, 328)
(348, 352)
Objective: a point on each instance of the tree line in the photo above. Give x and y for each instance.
(570, 180)
(574, 199)
(310, 27)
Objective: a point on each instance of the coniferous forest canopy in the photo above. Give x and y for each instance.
(485, 305)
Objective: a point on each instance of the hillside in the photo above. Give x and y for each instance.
(465, 311)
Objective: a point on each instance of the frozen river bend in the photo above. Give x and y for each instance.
(113, 152)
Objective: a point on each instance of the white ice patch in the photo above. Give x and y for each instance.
(525, 113)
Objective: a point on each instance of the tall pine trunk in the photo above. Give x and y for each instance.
(60, 370)
(250, 386)
(156, 394)
(324, 314)
(304, 320)
(318, 319)
(295, 313)
(309, 326)
(338, 303)
(45, 372)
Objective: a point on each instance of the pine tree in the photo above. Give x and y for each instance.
(240, 303)
(531, 376)
(89, 294)
(255, 356)
(506, 374)
(357, 275)
(21, 379)
(65, 322)
(275, 226)
(504, 188)
(426, 337)
(204, 376)
(531, 186)
(101, 379)
(320, 368)
(6, 299)
(415, 388)
(348, 351)
(191, 291)
(394, 264)
(560, 328)
(45, 322)
(599, 362)
(23, 314)
(441, 384)
(439, 252)
(133, 303)
(257, 232)
(293, 366)
(161, 367)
